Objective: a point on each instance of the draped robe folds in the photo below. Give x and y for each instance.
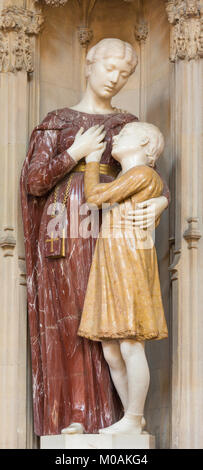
(71, 380)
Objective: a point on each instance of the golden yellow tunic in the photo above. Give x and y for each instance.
(123, 297)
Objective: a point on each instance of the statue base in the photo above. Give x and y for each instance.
(98, 441)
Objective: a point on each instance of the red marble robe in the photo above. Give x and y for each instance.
(71, 381)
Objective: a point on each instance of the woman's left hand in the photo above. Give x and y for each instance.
(147, 212)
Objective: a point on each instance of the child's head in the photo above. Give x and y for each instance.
(139, 137)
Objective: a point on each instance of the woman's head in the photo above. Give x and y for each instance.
(112, 46)
(108, 66)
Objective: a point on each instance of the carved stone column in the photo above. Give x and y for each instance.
(186, 44)
(19, 28)
(141, 34)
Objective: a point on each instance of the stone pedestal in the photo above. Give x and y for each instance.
(98, 441)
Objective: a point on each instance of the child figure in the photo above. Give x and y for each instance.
(123, 305)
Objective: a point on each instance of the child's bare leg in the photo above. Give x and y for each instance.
(112, 354)
(134, 357)
(133, 353)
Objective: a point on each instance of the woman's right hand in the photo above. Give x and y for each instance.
(87, 142)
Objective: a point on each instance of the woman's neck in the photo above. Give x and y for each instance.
(94, 104)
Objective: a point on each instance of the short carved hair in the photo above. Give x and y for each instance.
(104, 49)
(153, 139)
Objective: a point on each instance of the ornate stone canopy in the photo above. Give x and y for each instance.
(54, 3)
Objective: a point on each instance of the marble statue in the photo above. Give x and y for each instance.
(72, 386)
(123, 304)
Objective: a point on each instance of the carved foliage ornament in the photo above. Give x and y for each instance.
(186, 19)
(58, 3)
(177, 9)
(141, 31)
(18, 26)
(54, 3)
(85, 35)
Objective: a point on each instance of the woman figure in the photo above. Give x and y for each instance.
(72, 388)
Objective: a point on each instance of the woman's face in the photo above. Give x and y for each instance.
(108, 75)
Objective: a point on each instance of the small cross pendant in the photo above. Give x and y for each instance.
(51, 240)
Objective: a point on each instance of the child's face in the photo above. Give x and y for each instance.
(128, 143)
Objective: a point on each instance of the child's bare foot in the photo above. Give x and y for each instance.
(129, 424)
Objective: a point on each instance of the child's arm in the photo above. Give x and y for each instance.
(166, 190)
(91, 179)
(137, 180)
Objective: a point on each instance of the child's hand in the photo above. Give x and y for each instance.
(96, 155)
